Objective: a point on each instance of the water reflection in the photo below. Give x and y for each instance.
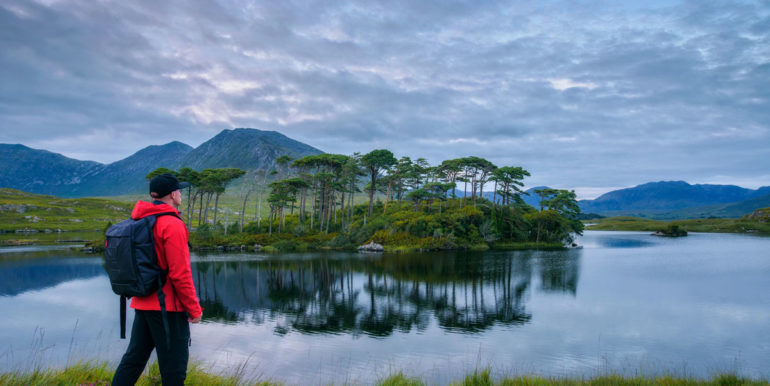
(32, 274)
(377, 295)
(612, 241)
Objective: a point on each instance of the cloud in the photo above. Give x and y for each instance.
(566, 84)
(581, 94)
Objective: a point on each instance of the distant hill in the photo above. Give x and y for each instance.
(730, 210)
(44, 172)
(677, 199)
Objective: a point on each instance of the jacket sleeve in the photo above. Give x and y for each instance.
(179, 272)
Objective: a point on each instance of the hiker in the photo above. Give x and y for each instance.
(181, 302)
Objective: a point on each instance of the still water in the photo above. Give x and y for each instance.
(627, 303)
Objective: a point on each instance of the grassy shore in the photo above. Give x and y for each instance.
(100, 373)
(21, 211)
(714, 225)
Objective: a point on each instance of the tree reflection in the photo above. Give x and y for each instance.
(377, 295)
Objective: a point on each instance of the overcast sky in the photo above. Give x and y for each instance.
(586, 95)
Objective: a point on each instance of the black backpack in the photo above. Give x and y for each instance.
(132, 264)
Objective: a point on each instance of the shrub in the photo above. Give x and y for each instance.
(286, 245)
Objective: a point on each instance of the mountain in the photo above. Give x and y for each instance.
(44, 172)
(122, 177)
(246, 149)
(657, 199)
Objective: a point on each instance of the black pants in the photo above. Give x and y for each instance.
(147, 334)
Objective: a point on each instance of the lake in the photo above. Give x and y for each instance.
(626, 303)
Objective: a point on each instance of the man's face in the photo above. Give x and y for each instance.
(176, 196)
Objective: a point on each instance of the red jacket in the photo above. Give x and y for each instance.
(173, 254)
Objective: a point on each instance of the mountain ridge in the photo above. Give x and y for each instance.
(45, 172)
(673, 199)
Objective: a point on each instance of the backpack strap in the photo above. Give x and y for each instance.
(163, 313)
(122, 317)
(161, 294)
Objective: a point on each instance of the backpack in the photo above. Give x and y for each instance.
(132, 264)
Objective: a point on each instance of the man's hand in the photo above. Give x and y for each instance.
(196, 320)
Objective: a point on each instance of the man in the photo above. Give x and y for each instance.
(148, 332)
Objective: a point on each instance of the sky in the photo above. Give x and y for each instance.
(585, 95)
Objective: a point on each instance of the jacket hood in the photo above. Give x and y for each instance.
(143, 209)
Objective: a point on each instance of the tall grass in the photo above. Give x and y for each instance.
(100, 373)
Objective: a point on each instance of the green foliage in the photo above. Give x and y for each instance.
(269, 249)
(101, 373)
(478, 378)
(400, 379)
(375, 161)
(204, 232)
(550, 226)
(671, 230)
(160, 171)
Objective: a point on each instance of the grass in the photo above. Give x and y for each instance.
(713, 225)
(100, 373)
(34, 212)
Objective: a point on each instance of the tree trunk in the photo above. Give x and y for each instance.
(259, 210)
(387, 196)
(200, 210)
(190, 216)
(216, 209)
(321, 207)
(371, 193)
(243, 209)
(206, 212)
(312, 209)
(494, 195)
(189, 206)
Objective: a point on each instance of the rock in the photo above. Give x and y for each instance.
(257, 247)
(371, 247)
